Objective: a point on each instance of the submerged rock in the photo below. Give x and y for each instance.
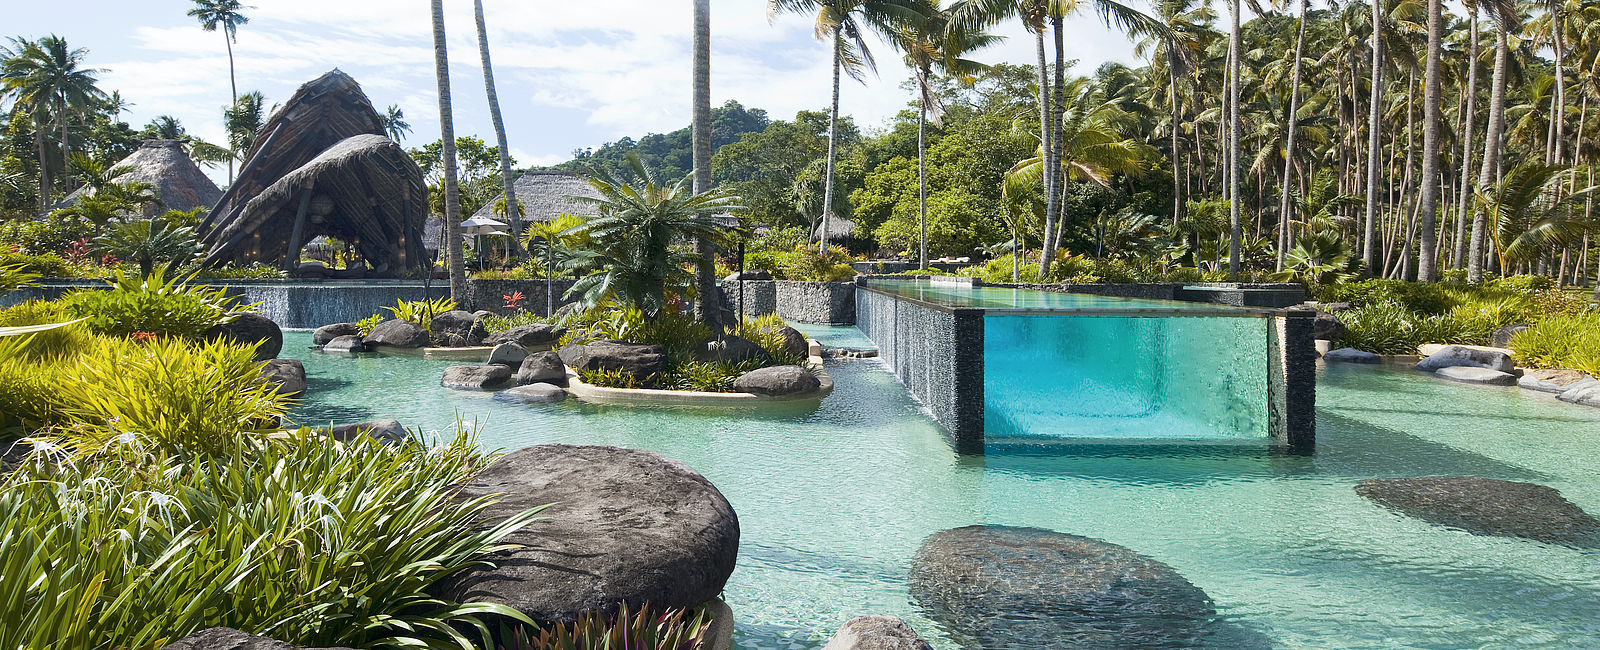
(251, 328)
(626, 525)
(1471, 375)
(1001, 587)
(475, 377)
(1351, 355)
(532, 394)
(1486, 506)
(777, 381)
(327, 333)
(1551, 381)
(287, 374)
(542, 367)
(386, 431)
(398, 333)
(227, 638)
(876, 632)
(1452, 356)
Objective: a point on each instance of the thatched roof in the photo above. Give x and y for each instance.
(324, 149)
(840, 229)
(542, 195)
(176, 179)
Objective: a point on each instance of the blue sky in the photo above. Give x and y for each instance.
(570, 74)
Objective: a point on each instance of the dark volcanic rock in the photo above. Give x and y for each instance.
(777, 381)
(398, 333)
(542, 367)
(755, 275)
(1327, 327)
(734, 349)
(346, 344)
(289, 375)
(227, 638)
(458, 329)
(387, 431)
(1000, 587)
(328, 333)
(876, 632)
(626, 526)
(794, 342)
(475, 377)
(533, 337)
(1459, 355)
(251, 328)
(637, 359)
(1486, 506)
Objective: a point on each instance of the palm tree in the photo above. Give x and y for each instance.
(938, 40)
(1470, 122)
(1285, 215)
(1369, 251)
(636, 225)
(1429, 203)
(1235, 52)
(226, 16)
(1188, 22)
(447, 138)
(243, 121)
(1530, 212)
(394, 123)
(1093, 144)
(554, 242)
(45, 78)
(1505, 17)
(708, 303)
(512, 211)
(844, 24)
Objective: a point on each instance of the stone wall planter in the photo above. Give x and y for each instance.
(823, 303)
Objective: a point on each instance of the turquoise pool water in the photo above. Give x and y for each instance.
(834, 500)
(949, 294)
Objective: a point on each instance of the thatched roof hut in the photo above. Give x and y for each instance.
(840, 230)
(322, 166)
(167, 168)
(542, 195)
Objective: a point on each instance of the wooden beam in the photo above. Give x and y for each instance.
(292, 260)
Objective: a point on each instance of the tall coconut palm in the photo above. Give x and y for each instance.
(447, 138)
(1235, 52)
(225, 16)
(1369, 250)
(1429, 203)
(243, 120)
(936, 44)
(708, 303)
(512, 211)
(1506, 19)
(1470, 123)
(1285, 207)
(1094, 146)
(394, 122)
(1188, 21)
(1530, 211)
(844, 24)
(46, 78)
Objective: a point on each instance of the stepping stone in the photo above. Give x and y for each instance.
(532, 394)
(1470, 375)
(1551, 381)
(1351, 355)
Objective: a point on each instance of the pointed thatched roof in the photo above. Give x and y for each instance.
(840, 229)
(322, 166)
(176, 179)
(542, 195)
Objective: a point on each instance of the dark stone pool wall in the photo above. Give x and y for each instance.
(937, 353)
(824, 303)
(491, 295)
(1292, 389)
(1238, 294)
(751, 297)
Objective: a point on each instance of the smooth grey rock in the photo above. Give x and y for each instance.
(794, 342)
(250, 328)
(876, 632)
(287, 374)
(398, 333)
(1484, 506)
(385, 431)
(475, 377)
(532, 394)
(750, 275)
(542, 367)
(1458, 355)
(227, 638)
(457, 329)
(1351, 355)
(625, 525)
(508, 354)
(1585, 392)
(637, 359)
(346, 344)
(1327, 327)
(1501, 338)
(328, 333)
(777, 381)
(1551, 381)
(734, 349)
(537, 336)
(1471, 375)
(1002, 587)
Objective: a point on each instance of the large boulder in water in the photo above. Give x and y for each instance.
(1452, 356)
(1485, 506)
(475, 377)
(288, 375)
(397, 333)
(250, 328)
(537, 336)
(227, 638)
(626, 525)
(876, 632)
(637, 359)
(327, 333)
(542, 367)
(777, 381)
(1001, 587)
(457, 329)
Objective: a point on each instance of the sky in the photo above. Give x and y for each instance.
(570, 74)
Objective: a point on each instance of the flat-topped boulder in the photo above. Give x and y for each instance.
(532, 394)
(250, 328)
(327, 333)
(1472, 375)
(734, 349)
(542, 367)
(475, 377)
(1451, 356)
(1585, 392)
(778, 381)
(287, 374)
(457, 329)
(624, 525)
(876, 632)
(349, 344)
(1552, 381)
(1351, 355)
(1003, 587)
(398, 334)
(508, 354)
(636, 359)
(537, 336)
(1486, 506)
(227, 638)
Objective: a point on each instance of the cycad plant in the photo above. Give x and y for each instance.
(148, 243)
(640, 222)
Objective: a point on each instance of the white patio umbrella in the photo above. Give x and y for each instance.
(478, 227)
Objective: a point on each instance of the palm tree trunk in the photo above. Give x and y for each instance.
(1053, 218)
(1428, 207)
(1491, 148)
(513, 210)
(1234, 53)
(1284, 214)
(709, 302)
(833, 141)
(447, 139)
(1369, 253)
(1464, 202)
(66, 150)
(1559, 101)
(233, 85)
(1046, 143)
(1177, 159)
(922, 172)
(44, 168)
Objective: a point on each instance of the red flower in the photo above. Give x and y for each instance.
(141, 337)
(514, 301)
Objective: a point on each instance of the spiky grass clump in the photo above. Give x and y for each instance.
(643, 629)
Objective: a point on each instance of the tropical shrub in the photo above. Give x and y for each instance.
(306, 539)
(1565, 341)
(152, 305)
(1424, 297)
(421, 312)
(1524, 283)
(148, 243)
(252, 271)
(53, 234)
(49, 344)
(367, 324)
(16, 276)
(643, 629)
(47, 265)
(803, 264)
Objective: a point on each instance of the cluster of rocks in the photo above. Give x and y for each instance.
(288, 376)
(536, 377)
(452, 329)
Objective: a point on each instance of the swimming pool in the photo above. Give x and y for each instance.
(833, 500)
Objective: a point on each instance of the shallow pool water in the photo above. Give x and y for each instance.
(951, 294)
(833, 500)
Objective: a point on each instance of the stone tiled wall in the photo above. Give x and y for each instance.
(1293, 385)
(751, 297)
(489, 295)
(827, 303)
(937, 354)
